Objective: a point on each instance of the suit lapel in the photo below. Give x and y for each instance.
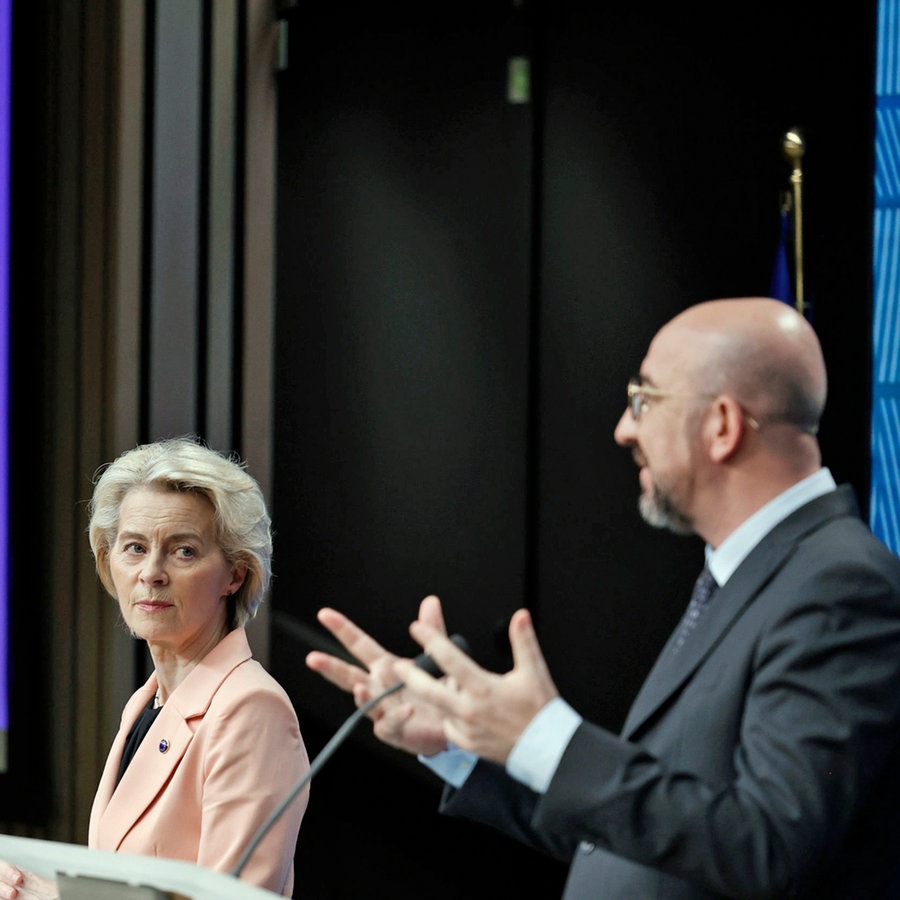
(672, 671)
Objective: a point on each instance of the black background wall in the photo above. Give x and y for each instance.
(464, 286)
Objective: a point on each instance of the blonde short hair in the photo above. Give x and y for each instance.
(243, 524)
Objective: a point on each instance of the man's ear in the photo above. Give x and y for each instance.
(725, 428)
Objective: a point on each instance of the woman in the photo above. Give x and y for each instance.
(210, 745)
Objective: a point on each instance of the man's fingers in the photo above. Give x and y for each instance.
(432, 614)
(355, 641)
(448, 657)
(425, 688)
(389, 722)
(340, 673)
(523, 641)
(460, 669)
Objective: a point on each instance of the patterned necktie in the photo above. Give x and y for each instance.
(703, 590)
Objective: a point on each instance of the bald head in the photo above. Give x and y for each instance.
(761, 350)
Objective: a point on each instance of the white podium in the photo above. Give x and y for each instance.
(82, 873)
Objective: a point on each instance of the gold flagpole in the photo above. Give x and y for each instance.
(794, 148)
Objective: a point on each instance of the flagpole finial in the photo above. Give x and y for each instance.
(794, 146)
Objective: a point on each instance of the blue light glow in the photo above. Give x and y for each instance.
(884, 511)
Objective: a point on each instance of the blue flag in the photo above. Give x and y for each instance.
(781, 287)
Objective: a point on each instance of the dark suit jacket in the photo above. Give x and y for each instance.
(762, 759)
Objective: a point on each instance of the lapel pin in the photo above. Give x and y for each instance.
(163, 745)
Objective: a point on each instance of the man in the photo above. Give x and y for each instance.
(760, 757)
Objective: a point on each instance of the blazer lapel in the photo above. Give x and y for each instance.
(671, 670)
(107, 784)
(165, 744)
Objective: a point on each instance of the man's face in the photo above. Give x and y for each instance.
(660, 425)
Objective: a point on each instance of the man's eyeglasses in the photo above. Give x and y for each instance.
(638, 394)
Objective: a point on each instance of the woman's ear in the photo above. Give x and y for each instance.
(238, 574)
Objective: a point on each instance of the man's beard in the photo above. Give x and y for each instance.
(659, 510)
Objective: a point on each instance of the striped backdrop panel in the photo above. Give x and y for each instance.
(884, 509)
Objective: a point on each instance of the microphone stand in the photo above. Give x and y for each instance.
(326, 752)
(423, 661)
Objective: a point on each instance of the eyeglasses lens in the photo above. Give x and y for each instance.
(635, 399)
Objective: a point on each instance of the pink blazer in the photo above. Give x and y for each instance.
(224, 751)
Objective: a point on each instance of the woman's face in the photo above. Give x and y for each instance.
(170, 576)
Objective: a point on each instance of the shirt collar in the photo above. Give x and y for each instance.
(735, 548)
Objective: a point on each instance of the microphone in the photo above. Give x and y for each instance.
(424, 662)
